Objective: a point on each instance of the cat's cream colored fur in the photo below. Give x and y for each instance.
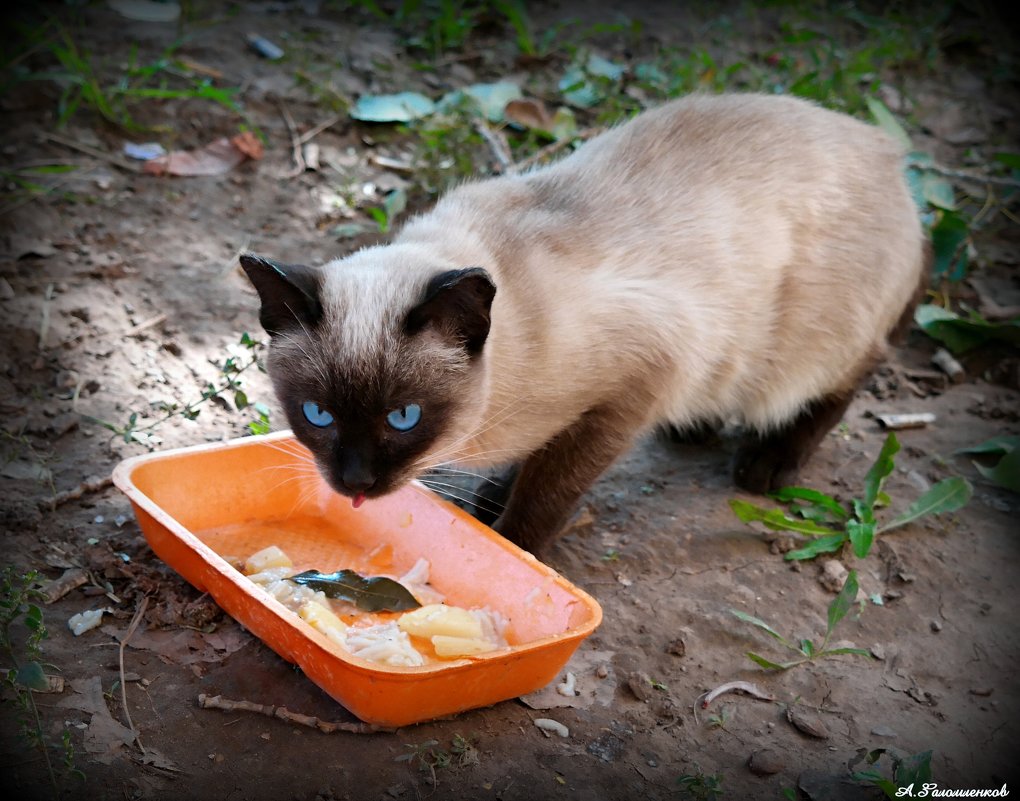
(732, 257)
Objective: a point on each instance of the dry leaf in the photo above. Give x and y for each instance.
(216, 158)
(529, 113)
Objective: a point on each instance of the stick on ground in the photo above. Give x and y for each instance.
(325, 726)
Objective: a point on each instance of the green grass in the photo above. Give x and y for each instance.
(114, 93)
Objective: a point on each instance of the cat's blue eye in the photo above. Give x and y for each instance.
(405, 418)
(316, 415)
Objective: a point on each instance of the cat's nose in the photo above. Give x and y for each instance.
(358, 480)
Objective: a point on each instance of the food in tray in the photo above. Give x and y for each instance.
(334, 605)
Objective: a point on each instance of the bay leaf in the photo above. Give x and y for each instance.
(369, 594)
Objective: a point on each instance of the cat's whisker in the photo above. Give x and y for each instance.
(495, 419)
(462, 458)
(444, 469)
(472, 497)
(319, 368)
(484, 504)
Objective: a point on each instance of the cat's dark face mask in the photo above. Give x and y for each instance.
(372, 420)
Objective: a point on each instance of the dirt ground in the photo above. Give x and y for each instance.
(121, 290)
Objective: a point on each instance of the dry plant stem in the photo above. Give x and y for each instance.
(295, 145)
(311, 133)
(89, 150)
(72, 578)
(88, 486)
(556, 147)
(44, 323)
(972, 177)
(145, 324)
(498, 145)
(123, 684)
(325, 726)
(736, 686)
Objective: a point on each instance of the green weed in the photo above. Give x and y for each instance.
(230, 383)
(699, 786)
(393, 205)
(26, 674)
(1005, 451)
(828, 525)
(806, 650)
(438, 26)
(448, 150)
(83, 86)
(906, 770)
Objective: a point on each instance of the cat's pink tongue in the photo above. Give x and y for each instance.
(358, 499)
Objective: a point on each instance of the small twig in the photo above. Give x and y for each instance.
(311, 133)
(72, 578)
(965, 175)
(44, 323)
(123, 684)
(498, 145)
(735, 686)
(295, 144)
(325, 726)
(109, 158)
(145, 324)
(556, 147)
(88, 486)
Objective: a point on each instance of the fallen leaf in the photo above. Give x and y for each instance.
(216, 158)
(529, 112)
(400, 107)
(249, 144)
(105, 736)
(490, 98)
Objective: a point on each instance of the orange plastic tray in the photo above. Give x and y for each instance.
(198, 505)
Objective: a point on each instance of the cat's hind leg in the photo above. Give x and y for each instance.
(764, 463)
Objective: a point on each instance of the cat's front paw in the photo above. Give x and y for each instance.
(762, 469)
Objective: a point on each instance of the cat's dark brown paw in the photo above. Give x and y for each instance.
(763, 469)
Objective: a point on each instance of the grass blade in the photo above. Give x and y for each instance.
(827, 544)
(887, 122)
(882, 467)
(776, 519)
(757, 621)
(765, 663)
(857, 651)
(1000, 445)
(827, 502)
(1006, 473)
(843, 602)
(861, 536)
(946, 496)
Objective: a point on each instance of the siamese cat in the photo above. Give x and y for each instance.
(719, 258)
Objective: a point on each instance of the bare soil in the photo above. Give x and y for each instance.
(124, 291)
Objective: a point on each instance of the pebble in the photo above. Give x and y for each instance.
(640, 685)
(765, 762)
(677, 647)
(808, 723)
(554, 726)
(883, 731)
(833, 575)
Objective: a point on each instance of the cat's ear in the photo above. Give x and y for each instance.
(289, 293)
(456, 303)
